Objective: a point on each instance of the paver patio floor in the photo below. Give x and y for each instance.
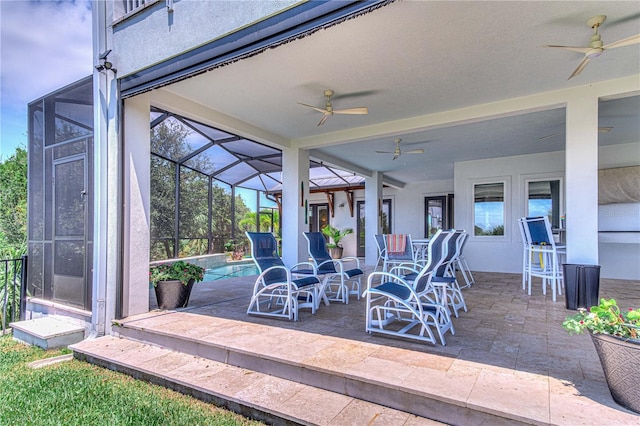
(509, 353)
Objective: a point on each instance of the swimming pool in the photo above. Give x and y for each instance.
(230, 271)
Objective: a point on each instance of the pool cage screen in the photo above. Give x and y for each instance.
(206, 187)
(209, 186)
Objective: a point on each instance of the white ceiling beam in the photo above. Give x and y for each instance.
(339, 163)
(389, 181)
(345, 165)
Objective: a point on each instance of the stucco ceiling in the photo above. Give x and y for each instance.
(414, 59)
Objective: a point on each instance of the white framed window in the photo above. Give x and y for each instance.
(490, 201)
(544, 196)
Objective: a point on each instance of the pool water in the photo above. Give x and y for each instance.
(230, 271)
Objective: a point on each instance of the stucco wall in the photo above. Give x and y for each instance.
(499, 254)
(155, 34)
(504, 254)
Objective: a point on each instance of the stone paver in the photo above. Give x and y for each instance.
(509, 354)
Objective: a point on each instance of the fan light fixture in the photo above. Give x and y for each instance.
(596, 46)
(397, 152)
(328, 110)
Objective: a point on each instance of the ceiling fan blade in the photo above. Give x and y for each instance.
(572, 48)
(414, 151)
(578, 70)
(384, 152)
(323, 119)
(355, 94)
(312, 107)
(624, 42)
(358, 110)
(544, 138)
(600, 130)
(395, 156)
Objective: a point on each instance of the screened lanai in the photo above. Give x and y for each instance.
(208, 186)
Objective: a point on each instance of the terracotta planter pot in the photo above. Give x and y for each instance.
(173, 294)
(620, 361)
(336, 252)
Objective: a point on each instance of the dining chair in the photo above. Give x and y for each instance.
(398, 250)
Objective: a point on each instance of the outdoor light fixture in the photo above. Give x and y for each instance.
(105, 65)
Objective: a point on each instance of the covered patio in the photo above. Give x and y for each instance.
(509, 362)
(480, 117)
(469, 86)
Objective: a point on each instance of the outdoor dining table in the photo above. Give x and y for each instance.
(420, 246)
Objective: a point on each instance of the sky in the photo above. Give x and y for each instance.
(44, 45)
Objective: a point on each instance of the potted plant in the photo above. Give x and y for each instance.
(616, 336)
(173, 282)
(229, 248)
(336, 235)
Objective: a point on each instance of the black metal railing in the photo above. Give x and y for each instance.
(13, 290)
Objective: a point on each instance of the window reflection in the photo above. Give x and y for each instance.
(488, 209)
(544, 200)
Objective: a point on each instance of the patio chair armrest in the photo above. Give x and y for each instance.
(395, 287)
(260, 279)
(309, 270)
(336, 264)
(349, 259)
(403, 269)
(381, 276)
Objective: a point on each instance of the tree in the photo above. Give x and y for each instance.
(169, 139)
(13, 204)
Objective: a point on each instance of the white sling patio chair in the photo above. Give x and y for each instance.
(395, 302)
(445, 273)
(460, 262)
(412, 299)
(398, 249)
(280, 291)
(526, 251)
(544, 261)
(340, 277)
(382, 251)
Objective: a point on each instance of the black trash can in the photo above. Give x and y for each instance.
(581, 285)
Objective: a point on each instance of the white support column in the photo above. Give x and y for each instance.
(105, 154)
(373, 216)
(581, 164)
(295, 195)
(136, 198)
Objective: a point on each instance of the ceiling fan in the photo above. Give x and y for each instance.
(397, 152)
(596, 47)
(328, 110)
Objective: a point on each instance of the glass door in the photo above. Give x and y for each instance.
(70, 284)
(436, 216)
(360, 231)
(318, 217)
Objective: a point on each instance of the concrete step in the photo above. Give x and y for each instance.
(254, 394)
(324, 362)
(47, 332)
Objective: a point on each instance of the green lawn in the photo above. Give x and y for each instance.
(77, 393)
